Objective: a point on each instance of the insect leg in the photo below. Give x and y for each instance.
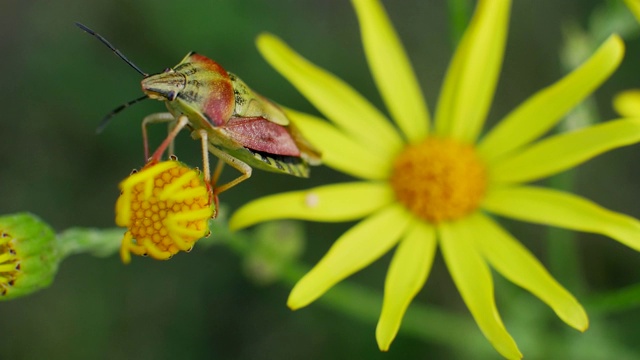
(172, 145)
(153, 119)
(217, 172)
(204, 140)
(180, 124)
(242, 167)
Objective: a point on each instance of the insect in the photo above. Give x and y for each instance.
(234, 123)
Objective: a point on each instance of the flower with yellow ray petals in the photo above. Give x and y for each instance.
(436, 182)
(166, 208)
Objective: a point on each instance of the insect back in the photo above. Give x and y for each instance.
(243, 128)
(234, 123)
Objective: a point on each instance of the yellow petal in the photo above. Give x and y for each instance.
(471, 80)
(392, 70)
(565, 210)
(627, 103)
(544, 109)
(473, 279)
(339, 151)
(564, 151)
(337, 101)
(518, 265)
(339, 202)
(355, 249)
(634, 6)
(407, 274)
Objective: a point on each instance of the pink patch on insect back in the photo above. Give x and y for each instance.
(219, 107)
(204, 61)
(262, 135)
(219, 101)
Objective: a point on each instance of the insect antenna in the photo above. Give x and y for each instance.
(108, 44)
(105, 121)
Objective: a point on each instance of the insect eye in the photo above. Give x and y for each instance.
(167, 70)
(171, 95)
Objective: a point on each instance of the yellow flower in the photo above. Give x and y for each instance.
(435, 182)
(165, 207)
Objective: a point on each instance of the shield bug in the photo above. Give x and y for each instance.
(233, 122)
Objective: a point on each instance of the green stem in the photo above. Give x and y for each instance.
(98, 242)
(616, 301)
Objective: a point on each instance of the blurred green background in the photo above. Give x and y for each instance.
(59, 82)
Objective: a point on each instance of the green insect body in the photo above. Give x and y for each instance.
(236, 124)
(238, 121)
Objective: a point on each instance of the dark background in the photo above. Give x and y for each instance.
(58, 83)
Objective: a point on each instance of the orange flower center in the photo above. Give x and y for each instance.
(439, 179)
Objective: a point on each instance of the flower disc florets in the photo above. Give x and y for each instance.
(439, 179)
(166, 208)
